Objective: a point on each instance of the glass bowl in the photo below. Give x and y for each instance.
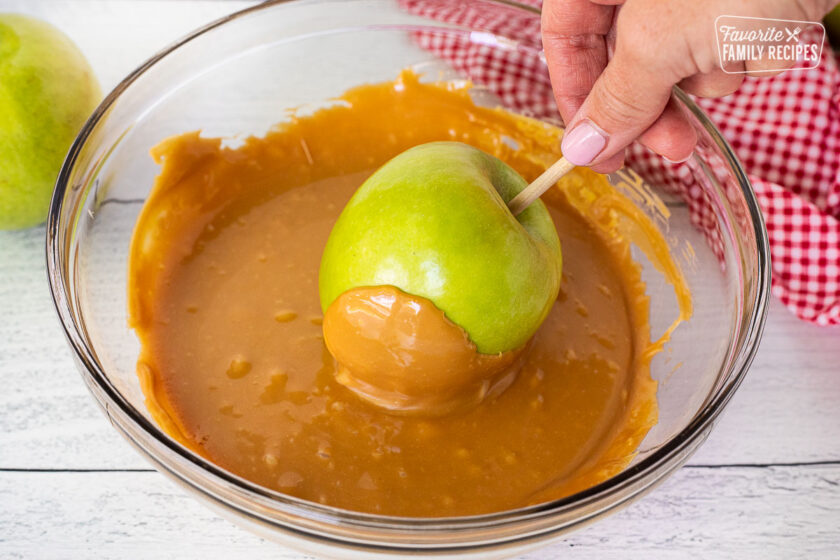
(240, 75)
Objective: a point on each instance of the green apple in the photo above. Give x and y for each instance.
(47, 91)
(434, 223)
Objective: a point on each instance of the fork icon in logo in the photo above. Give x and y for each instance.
(793, 35)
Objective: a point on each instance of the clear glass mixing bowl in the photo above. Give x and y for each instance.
(240, 75)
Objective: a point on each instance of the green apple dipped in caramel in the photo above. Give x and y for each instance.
(433, 222)
(47, 91)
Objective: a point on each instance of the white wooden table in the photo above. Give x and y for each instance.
(765, 485)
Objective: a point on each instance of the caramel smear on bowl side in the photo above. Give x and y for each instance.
(223, 296)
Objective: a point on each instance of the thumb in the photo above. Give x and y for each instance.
(625, 101)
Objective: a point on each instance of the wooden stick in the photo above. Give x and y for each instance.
(541, 184)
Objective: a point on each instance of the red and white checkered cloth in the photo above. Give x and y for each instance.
(785, 130)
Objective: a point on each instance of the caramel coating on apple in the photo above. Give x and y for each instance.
(400, 352)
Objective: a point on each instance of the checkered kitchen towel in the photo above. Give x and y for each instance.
(785, 129)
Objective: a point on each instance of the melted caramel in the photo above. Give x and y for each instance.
(223, 297)
(400, 352)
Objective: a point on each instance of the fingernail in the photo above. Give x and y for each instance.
(583, 143)
(678, 161)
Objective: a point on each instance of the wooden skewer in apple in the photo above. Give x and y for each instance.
(541, 184)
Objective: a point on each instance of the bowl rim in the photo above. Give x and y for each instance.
(108, 396)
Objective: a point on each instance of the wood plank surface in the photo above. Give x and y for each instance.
(767, 513)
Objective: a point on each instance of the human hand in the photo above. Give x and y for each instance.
(613, 64)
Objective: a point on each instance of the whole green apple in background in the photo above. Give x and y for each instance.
(434, 223)
(47, 91)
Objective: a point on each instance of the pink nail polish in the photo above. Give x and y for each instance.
(678, 161)
(583, 143)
